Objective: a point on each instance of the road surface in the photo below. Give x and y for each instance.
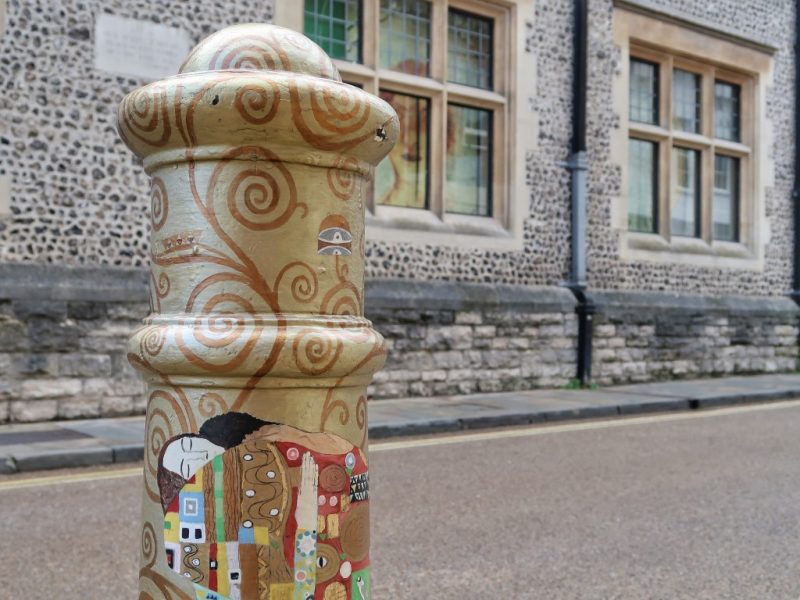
(701, 505)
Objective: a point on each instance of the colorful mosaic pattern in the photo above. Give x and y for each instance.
(262, 510)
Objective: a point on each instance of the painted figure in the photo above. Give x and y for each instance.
(256, 510)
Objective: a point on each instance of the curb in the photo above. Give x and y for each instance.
(63, 459)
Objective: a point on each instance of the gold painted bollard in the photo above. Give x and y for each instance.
(256, 353)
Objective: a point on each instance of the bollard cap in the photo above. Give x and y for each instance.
(257, 85)
(260, 47)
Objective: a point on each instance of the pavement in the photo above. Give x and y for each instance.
(68, 444)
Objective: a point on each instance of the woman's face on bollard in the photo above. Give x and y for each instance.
(187, 454)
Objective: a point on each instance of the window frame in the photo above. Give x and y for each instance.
(635, 25)
(668, 137)
(501, 101)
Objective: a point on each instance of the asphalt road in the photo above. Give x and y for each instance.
(696, 506)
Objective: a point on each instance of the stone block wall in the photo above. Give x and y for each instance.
(62, 348)
(641, 337)
(450, 338)
(451, 352)
(63, 336)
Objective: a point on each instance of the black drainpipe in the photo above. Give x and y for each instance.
(577, 165)
(795, 293)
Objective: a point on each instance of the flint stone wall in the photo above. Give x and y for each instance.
(78, 198)
(63, 335)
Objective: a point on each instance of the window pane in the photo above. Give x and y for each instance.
(642, 185)
(726, 111)
(726, 198)
(335, 26)
(686, 101)
(469, 164)
(405, 36)
(643, 95)
(686, 192)
(402, 178)
(469, 47)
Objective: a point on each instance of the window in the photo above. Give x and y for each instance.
(686, 103)
(442, 67)
(687, 147)
(691, 100)
(405, 35)
(726, 198)
(644, 92)
(336, 26)
(643, 186)
(726, 110)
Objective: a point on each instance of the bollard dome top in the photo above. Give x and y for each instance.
(257, 85)
(260, 47)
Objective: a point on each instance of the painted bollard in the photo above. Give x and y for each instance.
(256, 352)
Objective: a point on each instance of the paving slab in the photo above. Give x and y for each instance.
(715, 388)
(60, 444)
(34, 436)
(130, 429)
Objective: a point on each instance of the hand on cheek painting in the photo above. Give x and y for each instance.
(306, 511)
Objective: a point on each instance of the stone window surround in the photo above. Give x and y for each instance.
(706, 142)
(645, 34)
(514, 128)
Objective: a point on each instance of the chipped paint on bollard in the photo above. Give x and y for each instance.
(256, 352)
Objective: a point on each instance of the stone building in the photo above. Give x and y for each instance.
(473, 280)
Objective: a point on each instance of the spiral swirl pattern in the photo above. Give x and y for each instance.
(236, 334)
(257, 104)
(330, 117)
(159, 203)
(145, 116)
(315, 351)
(211, 404)
(342, 177)
(153, 341)
(303, 282)
(260, 193)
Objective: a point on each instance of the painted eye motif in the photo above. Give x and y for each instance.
(335, 251)
(334, 238)
(322, 562)
(335, 235)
